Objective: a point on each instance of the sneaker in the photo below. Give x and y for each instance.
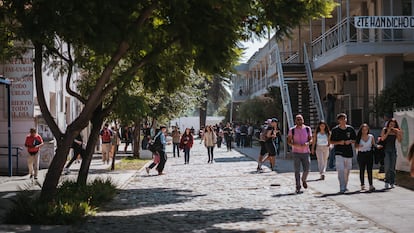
(392, 186)
(298, 191)
(387, 186)
(35, 178)
(31, 176)
(371, 188)
(322, 177)
(147, 169)
(362, 187)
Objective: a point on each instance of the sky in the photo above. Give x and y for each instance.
(251, 48)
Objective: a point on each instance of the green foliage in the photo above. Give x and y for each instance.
(71, 204)
(259, 109)
(399, 94)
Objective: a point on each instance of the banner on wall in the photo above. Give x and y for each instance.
(406, 121)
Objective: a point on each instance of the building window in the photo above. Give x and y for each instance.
(406, 8)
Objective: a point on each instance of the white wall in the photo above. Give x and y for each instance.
(188, 122)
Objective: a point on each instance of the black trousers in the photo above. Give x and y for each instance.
(75, 156)
(365, 161)
(163, 160)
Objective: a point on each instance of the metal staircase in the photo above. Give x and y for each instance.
(299, 93)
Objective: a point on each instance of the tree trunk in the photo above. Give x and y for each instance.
(203, 114)
(55, 169)
(96, 122)
(137, 138)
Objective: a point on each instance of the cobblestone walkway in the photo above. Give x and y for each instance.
(226, 196)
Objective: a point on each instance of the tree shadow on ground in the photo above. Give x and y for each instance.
(351, 193)
(233, 159)
(151, 197)
(176, 221)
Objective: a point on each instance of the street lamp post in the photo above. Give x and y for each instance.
(231, 101)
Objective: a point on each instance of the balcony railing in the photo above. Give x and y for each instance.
(346, 32)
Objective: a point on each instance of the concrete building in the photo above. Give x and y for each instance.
(25, 111)
(337, 64)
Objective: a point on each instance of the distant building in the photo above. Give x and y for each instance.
(353, 56)
(25, 110)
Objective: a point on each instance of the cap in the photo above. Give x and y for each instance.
(274, 119)
(341, 115)
(268, 121)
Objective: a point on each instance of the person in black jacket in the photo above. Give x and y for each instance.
(77, 146)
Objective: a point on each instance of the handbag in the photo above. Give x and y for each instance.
(379, 154)
(157, 158)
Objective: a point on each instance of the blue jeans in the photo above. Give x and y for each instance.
(186, 155)
(389, 165)
(299, 159)
(343, 166)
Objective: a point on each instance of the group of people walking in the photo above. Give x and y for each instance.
(341, 140)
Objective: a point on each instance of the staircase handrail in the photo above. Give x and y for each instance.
(316, 100)
(284, 90)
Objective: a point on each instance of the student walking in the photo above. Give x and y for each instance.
(176, 137)
(273, 138)
(161, 152)
(77, 146)
(262, 139)
(33, 143)
(106, 138)
(342, 137)
(299, 138)
(186, 143)
(210, 140)
(389, 135)
(320, 146)
(364, 143)
(228, 136)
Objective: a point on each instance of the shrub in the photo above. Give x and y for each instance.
(72, 203)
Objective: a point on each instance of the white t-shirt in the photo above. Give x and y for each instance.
(366, 145)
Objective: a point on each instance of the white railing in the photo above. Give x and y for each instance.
(346, 32)
(284, 90)
(316, 100)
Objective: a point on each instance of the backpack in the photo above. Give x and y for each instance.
(155, 144)
(262, 135)
(106, 135)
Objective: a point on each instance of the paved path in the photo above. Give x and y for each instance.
(228, 196)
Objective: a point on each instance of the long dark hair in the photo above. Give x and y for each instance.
(395, 121)
(327, 130)
(359, 135)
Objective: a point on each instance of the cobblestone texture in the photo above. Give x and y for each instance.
(226, 196)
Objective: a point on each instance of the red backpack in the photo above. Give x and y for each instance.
(106, 135)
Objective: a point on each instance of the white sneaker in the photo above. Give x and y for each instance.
(362, 187)
(387, 186)
(392, 186)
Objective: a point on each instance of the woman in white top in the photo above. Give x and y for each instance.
(320, 146)
(364, 143)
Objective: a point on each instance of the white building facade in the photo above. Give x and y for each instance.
(25, 111)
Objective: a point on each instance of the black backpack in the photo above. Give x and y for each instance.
(155, 144)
